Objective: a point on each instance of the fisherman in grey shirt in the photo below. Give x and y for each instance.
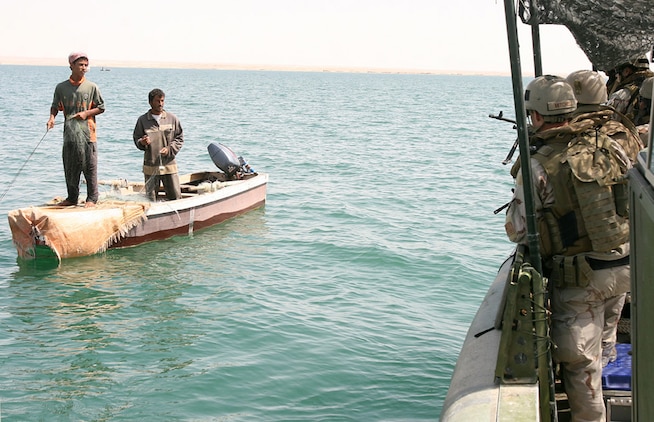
(159, 134)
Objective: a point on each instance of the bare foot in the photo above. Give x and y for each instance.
(89, 205)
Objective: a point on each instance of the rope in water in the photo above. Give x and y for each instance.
(25, 163)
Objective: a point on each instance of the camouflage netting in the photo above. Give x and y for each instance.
(609, 32)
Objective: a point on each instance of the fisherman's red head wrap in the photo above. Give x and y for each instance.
(76, 55)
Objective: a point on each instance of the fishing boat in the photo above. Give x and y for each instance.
(124, 217)
(505, 371)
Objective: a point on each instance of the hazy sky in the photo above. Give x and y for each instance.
(444, 35)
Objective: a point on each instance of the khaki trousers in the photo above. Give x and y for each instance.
(579, 320)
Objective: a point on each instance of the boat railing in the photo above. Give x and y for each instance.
(524, 351)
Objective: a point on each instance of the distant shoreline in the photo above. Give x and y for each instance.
(109, 64)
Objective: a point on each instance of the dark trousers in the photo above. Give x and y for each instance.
(170, 183)
(74, 168)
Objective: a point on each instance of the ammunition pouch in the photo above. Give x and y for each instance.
(604, 225)
(570, 271)
(621, 195)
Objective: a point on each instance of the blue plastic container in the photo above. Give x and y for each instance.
(617, 375)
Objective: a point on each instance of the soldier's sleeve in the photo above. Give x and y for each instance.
(516, 215)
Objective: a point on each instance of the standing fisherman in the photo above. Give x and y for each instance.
(81, 101)
(159, 134)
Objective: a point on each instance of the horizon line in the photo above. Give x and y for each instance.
(27, 61)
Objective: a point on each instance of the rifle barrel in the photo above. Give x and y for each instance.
(504, 119)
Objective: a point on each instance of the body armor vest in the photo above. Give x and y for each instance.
(632, 85)
(590, 211)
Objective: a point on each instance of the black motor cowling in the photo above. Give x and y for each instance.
(224, 158)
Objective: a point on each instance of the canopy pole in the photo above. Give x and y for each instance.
(525, 162)
(523, 135)
(535, 42)
(650, 134)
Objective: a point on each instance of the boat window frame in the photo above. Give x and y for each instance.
(649, 168)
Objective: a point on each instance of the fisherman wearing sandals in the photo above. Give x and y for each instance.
(577, 174)
(81, 101)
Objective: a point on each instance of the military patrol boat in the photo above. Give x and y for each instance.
(505, 371)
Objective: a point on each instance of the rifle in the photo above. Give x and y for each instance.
(504, 119)
(501, 117)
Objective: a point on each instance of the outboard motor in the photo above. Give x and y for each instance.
(227, 161)
(245, 166)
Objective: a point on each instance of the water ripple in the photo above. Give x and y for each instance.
(346, 297)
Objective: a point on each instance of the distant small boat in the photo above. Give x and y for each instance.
(124, 217)
(105, 69)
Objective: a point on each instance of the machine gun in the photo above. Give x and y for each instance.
(501, 117)
(504, 119)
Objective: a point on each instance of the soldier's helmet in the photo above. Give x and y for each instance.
(640, 63)
(550, 95)
(637, 63)
(588, 86)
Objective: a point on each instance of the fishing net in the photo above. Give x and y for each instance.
(74, 231)
(609, 32)
(76, 138)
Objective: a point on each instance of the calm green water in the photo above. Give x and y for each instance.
(347, 297)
